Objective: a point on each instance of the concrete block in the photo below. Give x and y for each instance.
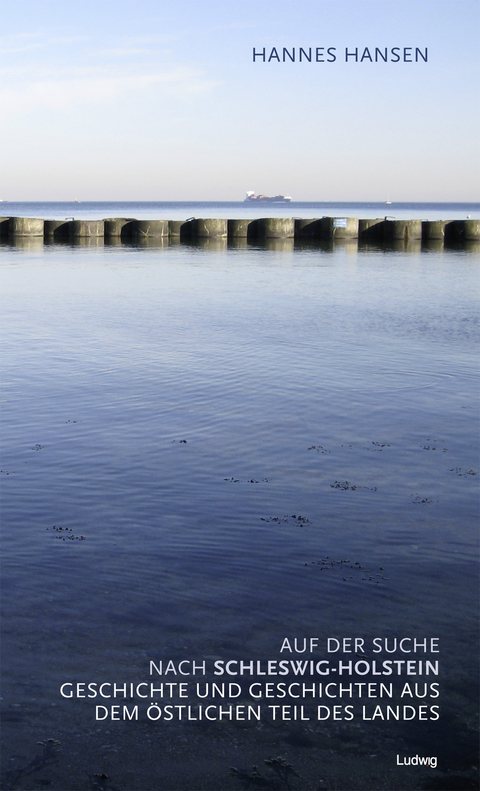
(113, 226)
(149, 229)
(371, 230)
(4, 226)
(307, 229)
(204, 229)
(341, 227)
(327, 228)
(56, 231)
(433, 230)
(174, 228)
(462, 231)
(26, 226)
(472, 230)
(397, 230)
(272, 228)
(78, 229)
(238, 229)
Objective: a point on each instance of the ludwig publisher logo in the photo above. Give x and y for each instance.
(417, 760)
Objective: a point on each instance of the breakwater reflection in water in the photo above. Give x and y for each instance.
(210, 448)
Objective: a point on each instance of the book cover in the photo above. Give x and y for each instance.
(240, 489)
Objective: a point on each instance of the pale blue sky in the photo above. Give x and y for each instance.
(154, 100)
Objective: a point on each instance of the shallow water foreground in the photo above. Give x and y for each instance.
(207, 451)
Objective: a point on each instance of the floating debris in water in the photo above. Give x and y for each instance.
(67, 533)
(458, 471)
(100, 782)
(433, 447)
(250, 480)
(346, 565)
(299, 520)
(346, 485)
(48, 757)
(282, 773)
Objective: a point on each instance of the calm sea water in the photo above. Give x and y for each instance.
(207, 450)
(222, 209)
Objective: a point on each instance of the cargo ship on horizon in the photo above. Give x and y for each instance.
(252, 197)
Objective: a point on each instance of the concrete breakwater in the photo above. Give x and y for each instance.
(127, 229)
